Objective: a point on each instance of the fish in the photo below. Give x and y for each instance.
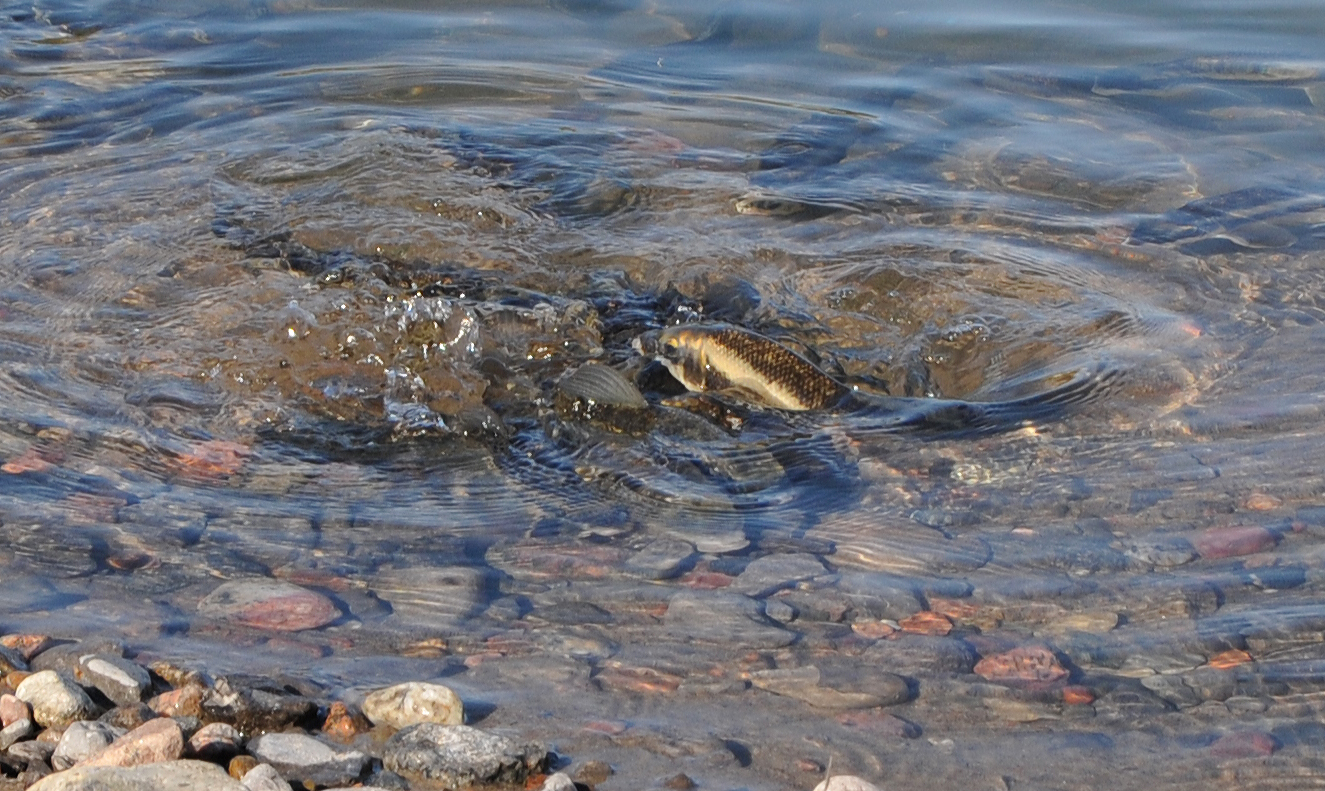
(730, 361)
(725, 359)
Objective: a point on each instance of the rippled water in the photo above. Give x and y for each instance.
(288, 289)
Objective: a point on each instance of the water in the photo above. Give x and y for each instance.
(287, 289)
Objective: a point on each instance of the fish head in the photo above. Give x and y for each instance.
(680, 350)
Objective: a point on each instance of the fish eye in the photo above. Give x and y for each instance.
(670, 347)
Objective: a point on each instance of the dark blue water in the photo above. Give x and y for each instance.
(288, 289)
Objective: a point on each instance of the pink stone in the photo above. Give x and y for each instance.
(1244, 744)
(216, 741)
(1032, 667)
(183, 702)
(12, 710)
(153, 741)
(1227, 542)
(269, 604)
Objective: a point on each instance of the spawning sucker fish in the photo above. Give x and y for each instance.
(735, 362)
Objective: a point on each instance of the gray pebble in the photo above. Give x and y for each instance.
(11, 660)
(459, 756)
(835, 690)
(122, 681)
(83, 740)
(65, 658)
(779, 611)
(914, 654)
(30, 751)
(16, 731)
(264, 777)
(772, 573)
(879, 595)
(300, 758)
(429, 596)
(1159, 551)
(713, 616)
(1172, 689)
(661, 559)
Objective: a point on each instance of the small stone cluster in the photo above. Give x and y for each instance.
(81, 716)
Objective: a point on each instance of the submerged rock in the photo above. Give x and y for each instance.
(722, 618)
(839, 690)
(269, 604)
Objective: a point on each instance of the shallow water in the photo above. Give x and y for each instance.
(288, 289)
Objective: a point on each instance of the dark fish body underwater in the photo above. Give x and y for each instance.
(731, 361)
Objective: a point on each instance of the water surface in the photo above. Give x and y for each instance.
(288, 287)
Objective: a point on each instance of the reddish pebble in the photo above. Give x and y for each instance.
(637, 679)
(1245, 744)
(953, 609)
(608, 727)
(1028, 666)
(29, 461)
(431, 648)
(879, 722)
(1077, 695)
(1259, 501)
(241, 765)
(27, 645)
(706, 580)
(1227, 542)
(152, 742)
(926, 622)
(288, 647)
(183, 702)
(873, 630)
(344, 723)
(215, 458)
(269, 604)
(12, 710)
(1230, 658)
(216, 742)
(129, 560)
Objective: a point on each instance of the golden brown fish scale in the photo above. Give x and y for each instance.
(775, 366)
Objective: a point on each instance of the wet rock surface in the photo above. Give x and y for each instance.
(719, 617)
(458, 756)
(302, 759)
(122, 681)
